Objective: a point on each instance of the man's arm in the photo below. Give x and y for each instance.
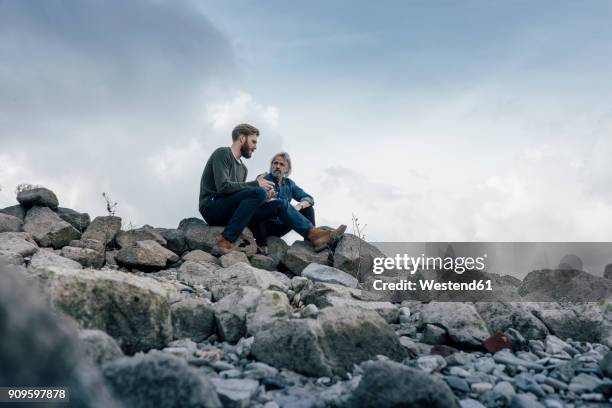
(300, 195)
(223, 183)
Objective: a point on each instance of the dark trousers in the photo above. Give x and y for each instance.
(295, 220)
(249, 207)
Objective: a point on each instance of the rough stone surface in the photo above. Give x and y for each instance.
(159, 380)
(42, 197)
(44, 258)
(85, 256)
(146, 256)
(241, 274)
(99, 347)
(11, 258)
(200, 256)
(129, 238)
(584, 322)
(264, 262)
(175, 239)
(331, 344)
(193, 318)
(234, 392)
(199, 235)
(231, 312)
(15, 210)
(271, 305)
(233, 258)
(103, 229)
(329, 274)
(606, 365)
(8, 223)
(300, 254)
(48, 229)
(461, 321)
(20, 243)
(200, 273)
(277, 248)
(567, 285)
(132, 309)
(355, 256)
(78, 220)
(386, 384)
(499, 316)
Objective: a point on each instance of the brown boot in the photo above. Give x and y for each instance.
(224, 246)
(322, 238)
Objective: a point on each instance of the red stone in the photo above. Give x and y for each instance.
(497, 342)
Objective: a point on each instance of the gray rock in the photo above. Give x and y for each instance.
(200, 273)
(241, 274)
(125, 239)
(20, 243)
(109, 259)
(606, 365)
(48, 229)
(271, 305)
(584, 383)
(457, 384)
(355, 256)
(84, 256)
(145, 256)
(264, 262)
(470, 403)
(386, 384)
(331, 344)
(259, 371)
(193, 318)
(11, 258)
(505, 356)
(435, 335)
(501, 316)
(461, 321)
(231, 312)
(607, 270)
(583, 322)
(103, 229)
(235, 393)
(524, 401)
(310, 311)
(159, 380)
(38, 347)
(277, 249)
(430, 364)
(555, 345)
(199, 256)
(45, 258)
(40, 196)
(199, 235)
(99, 347)
(567, 285)
(301, 254)
(132, 309)
(8, 223)
(15, 210)
(233, 258)
(329, 274)
(175, 239)
(80, 221)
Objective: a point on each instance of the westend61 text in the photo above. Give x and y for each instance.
(475, 285)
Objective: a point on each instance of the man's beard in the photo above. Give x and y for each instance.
(245, 152)
(278, 174)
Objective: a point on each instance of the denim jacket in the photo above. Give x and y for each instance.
(289, 190)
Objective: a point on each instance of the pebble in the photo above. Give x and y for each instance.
(479, 388)
(457, 384)
(430, 364)
(470, 403)
(458, 371)
(310, 311)
(485, 365)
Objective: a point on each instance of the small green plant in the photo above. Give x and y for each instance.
(358, 232)
(25, 187)
(110, 205)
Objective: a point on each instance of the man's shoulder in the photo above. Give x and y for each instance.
(221, 151)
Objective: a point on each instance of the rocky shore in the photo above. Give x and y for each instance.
(152, 317)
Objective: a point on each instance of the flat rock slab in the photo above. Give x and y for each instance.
(145, 256)
(329, 274)
(301, 254)
(129, 238)
(44, 258)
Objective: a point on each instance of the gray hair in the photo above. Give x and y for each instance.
(286, 157)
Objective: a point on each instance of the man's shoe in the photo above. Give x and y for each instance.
(322, 238)
(224, 247)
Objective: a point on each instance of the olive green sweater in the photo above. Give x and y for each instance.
(223, 175)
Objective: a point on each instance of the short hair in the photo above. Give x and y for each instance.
(285, 156)
(244, 129)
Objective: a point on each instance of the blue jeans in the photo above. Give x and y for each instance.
(277, 228)
(249, 207)
(285, 219)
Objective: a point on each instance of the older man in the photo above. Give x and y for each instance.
(286, 191)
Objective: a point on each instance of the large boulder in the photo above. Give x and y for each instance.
(231, 312)
(339, 338)
(40, 196)
(501, 316)
(129, 238)
(226, 280)
(145, 256)
(386, 384)
(87, 257)
(158, 379)
(78, 220)
(199, 235)
(44, 258)
(48, 229)
(14, 210)
(8, 223)
(461, 321)
(193, 318)
(103, 229)
(99, 347)
(198, 273)
(327, 295)
(300, 254)
(134, 310)
(199, 256)
(565, 285)
(20, 243)
(38, 347)
(355, 256)
(582, 322)
(233, 258)
(328, 274)
(271, 305)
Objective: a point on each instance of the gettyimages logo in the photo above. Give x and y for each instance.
(411, 264)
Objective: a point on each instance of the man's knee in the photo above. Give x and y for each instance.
(260, 193)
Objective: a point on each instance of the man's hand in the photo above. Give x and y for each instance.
(301, 205)
(272, 194)
(268, 185)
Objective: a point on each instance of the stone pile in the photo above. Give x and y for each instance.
(159, 319)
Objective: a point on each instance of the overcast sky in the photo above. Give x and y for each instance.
(431, 121)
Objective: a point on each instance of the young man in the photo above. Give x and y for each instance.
(226, 199)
